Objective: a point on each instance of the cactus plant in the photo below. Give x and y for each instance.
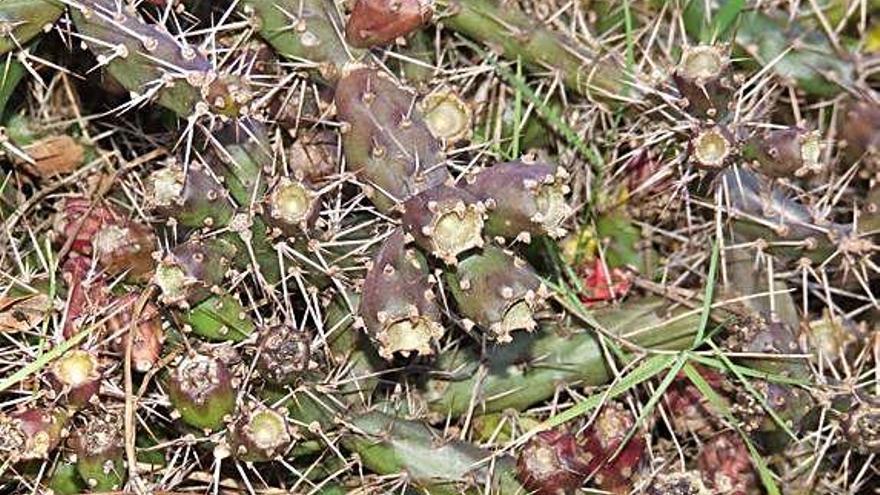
(202, 392)
(259, 434)
(99, 453)
(523, 199)
(552, 463)
(284, 354)
(376, 22)
(614, 471)
(498, 292)
(31, 433)
(385, 139)
(77, 375)
(22, 20)
(704, 80)
(398, 308)
(790, 152)
(147, 332)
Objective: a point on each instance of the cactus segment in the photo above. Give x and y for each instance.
(398, 308)
(602, 440)
(385, 139)
(239, 153)
(313, 156)
(447, 116)
(314, 39)
(377, 22)
(552, 463)
(219, 318)
(145, 58)
(77, 374)
(22, 20)
(99, 453)
(702, 79)
(259, 434)
(201, 390)
(859, 130)
(726, 464)
(389, 445)
(560, 353)
(788, 153)
(419, 47)
(498, 292)
(191, 199)
(519, 36)
(523, 199)
(31, 434)
(444, 221)
(351, 348)
(711, 147)
(284, 354)
(808, 59)
(193, 271)
(65, 480)
(148, 337)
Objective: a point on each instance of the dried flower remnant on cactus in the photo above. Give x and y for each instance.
(98, 446)
(398, 307)
(284, 354)
(201, 390)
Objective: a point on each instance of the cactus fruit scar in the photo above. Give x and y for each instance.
(259, 434)
(377, 22)
(398, 307)
(498, 292)
(523, 199)
(447, 116)
(202, 392)
(711, 147)
(385, 139)
(77, 374)
(444, 221)
(292, 205)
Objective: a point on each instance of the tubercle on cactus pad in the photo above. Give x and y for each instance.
(498, 292)
(385, 139)
(398, 308)
(523, 198)
(444, 221)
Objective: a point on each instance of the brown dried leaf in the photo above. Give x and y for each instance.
(54, 155)
(21, 313)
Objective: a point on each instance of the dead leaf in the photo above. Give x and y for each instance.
(21, 313)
